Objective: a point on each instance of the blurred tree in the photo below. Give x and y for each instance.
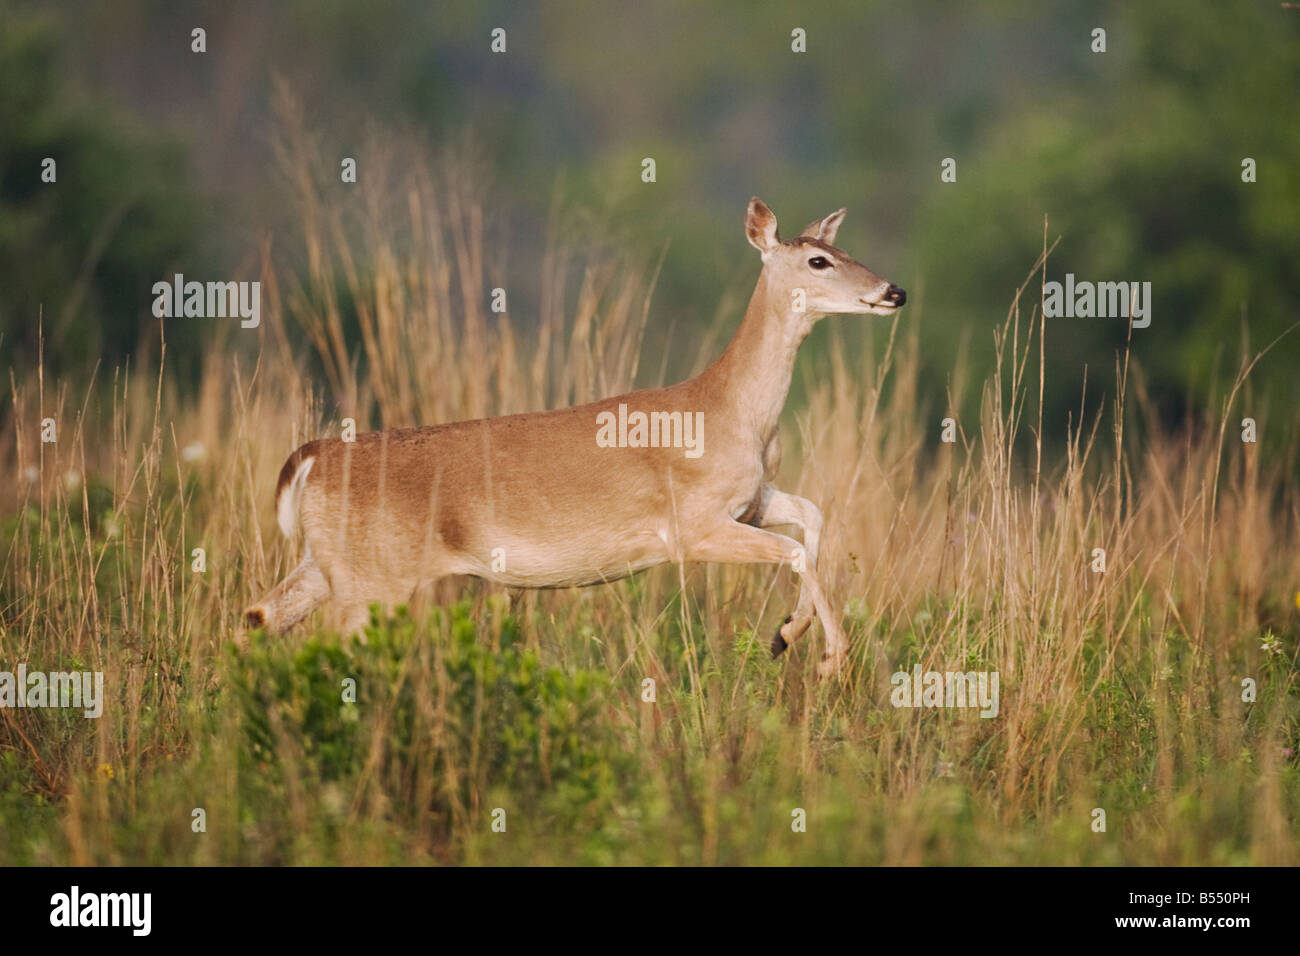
(1135, 156)
(84, 250)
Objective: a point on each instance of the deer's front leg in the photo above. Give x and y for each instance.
(734, 543)
(778, 508)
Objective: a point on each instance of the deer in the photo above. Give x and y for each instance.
(563, 498)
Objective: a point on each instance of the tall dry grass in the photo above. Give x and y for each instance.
(1120, 690)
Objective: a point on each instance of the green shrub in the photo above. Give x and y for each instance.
(441, 726)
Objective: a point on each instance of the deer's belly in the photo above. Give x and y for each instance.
(568, 561)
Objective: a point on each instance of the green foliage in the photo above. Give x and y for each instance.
(1134, 156)
(445, 726)
(24, 811)
(79, 255)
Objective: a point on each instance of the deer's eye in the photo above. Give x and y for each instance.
(819, 262)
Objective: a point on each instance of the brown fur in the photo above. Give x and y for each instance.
(397, 509)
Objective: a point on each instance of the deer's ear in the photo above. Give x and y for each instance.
(825, 229)
(760, 227)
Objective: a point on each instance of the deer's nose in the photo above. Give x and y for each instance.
(895, 295)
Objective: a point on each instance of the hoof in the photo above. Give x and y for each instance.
(778, 642)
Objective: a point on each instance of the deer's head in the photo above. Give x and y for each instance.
(812, 273)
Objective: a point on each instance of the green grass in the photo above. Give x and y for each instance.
(456, 721)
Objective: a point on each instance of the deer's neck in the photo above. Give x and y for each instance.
(752, 377)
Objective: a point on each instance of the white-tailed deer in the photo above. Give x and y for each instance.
(585, 495)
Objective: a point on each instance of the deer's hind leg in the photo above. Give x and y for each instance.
(374, 580)
(291, 600)
(778, 508)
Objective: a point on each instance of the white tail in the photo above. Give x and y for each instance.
(586, 495)
(287, 496)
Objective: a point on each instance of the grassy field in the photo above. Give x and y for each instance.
(1120, 690)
